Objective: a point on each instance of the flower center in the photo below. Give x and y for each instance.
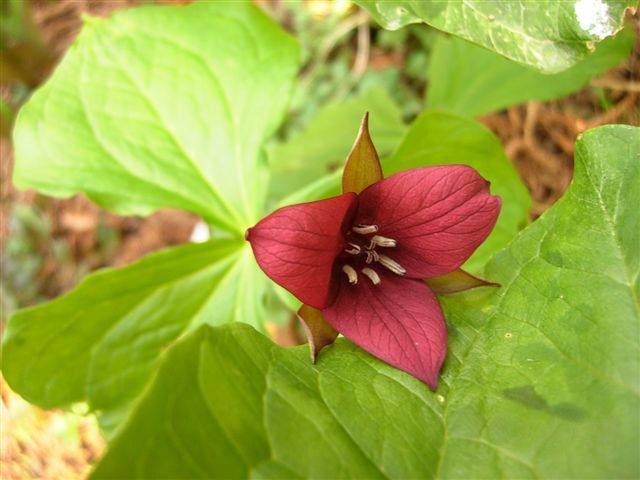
(361, 253)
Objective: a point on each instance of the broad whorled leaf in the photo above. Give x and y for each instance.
(542, 378)
(101, 342)
(470, 80)
(549, 35)
(156, 107)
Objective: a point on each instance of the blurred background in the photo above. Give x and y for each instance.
(48, 245)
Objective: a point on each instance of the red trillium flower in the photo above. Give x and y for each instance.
(358, 261)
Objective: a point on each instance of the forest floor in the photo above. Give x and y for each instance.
(49, 244)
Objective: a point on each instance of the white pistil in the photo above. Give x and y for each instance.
(373, 276)
(371, 256)
(354, 250)
(365, 229)
(392, 265)
(382, 241)
(352, 275)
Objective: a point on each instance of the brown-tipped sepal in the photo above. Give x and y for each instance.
(363, 164)
(318, 331)
(457, 281)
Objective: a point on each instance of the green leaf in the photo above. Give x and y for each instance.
(442, 139)
(156, 107)
(549, 35)
(542, 378)
(322, 147)
(198, 420)
(100, 343)
(469, 80)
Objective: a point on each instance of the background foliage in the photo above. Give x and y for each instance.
(155, 107)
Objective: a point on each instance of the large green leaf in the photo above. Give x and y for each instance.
(323, 145)
(549, 35)
(101, 342)
(202, 418)
(469, 80)
(162, 106)
(542, 378)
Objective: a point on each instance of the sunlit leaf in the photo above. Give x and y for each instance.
(157, 107)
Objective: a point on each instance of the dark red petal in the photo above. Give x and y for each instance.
(296, 246)
(399, 321)
(438, 216)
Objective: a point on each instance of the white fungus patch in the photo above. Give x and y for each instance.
(394, 17)
(200, 233)
(394, 24)
(593, 17)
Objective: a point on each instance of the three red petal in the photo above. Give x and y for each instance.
(437, 216)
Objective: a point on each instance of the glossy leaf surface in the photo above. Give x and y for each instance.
(119, 122)
(546, 362)
(549, 35)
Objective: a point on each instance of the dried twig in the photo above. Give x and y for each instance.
(616, 84)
